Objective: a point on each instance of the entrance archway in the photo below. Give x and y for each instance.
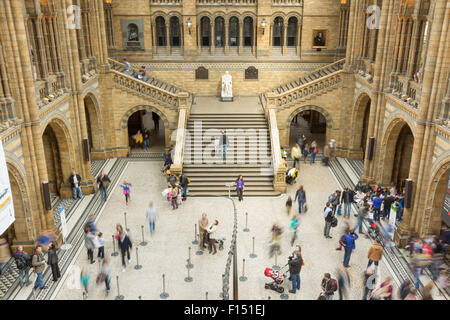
(57, 152)
(147, 119)
(313, 122)
(399, 142)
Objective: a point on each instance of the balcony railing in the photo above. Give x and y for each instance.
(166, 2)
(287, 2)
(407, 90)
(227, 2)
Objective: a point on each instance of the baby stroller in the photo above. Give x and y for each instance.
(277, 277)
(291, 175)
(220, 239)
(374, 230)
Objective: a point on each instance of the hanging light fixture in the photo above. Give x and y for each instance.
(189, 24)
(263, 24)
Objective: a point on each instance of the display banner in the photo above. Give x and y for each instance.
(6, 200)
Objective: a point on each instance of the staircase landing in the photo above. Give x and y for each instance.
(213, 105)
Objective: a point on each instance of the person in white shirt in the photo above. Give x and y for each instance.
(211, 236)
(328, 215)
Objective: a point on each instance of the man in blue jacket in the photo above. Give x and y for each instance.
(350, 238)
(377, 200)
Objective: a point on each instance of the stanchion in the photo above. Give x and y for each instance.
(119, 296)
(195, 235)
(143, 243)
(246, 229)
(164, 294)
(206, 295)
(243, 278)
(253, 255)
(189, 264)
(188, 278)
(115, 253)
(137, 266)
(126, 225)
(284, 296)
(221, 294)
(276, 267)
(199, 252)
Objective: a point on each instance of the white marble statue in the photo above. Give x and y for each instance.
(227, 87)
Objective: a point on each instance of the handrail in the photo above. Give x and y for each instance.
(306, 89)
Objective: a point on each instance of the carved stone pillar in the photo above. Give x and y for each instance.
(212, 42)
(284, 39)
(241, 37)
(168, 38)
(227, 34)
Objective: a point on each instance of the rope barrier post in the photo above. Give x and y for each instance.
(126, 226)
(246, 229)
(164, 294)
(115, 253)
(188, 278)
(119, 296)
(253, 255)
(143, 243)
(243, 278)
(276, 267)
(199, 252)
(137, 266)
(189, 264)
(206, 295)
(284, 296)
(195, 235)
(223, 279)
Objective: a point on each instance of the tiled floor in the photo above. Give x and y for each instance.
(167, 250)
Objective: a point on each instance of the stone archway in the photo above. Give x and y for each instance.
(360, 124)
(23, 227)
(93, 123)
(165, 132)
(59, 156)
(396, 152)
(315, 113)
(437, 189)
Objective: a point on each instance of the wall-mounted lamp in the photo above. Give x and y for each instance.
(263, 24)
(189, 24)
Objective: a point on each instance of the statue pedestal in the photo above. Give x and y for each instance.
(226, 99)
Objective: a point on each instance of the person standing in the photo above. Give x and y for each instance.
(151, 214)
(23, 265)
(155, 118)
(146, 139)
(101, 246)
(305, 150)
(328, 214)
(53, 261)
(240, 187)
(347, 198)
(326, 154)
(404, 289)
(124, 244)
(39, 265)
(313, 152)
(173, 198)
(128, 68)
(224, 141)
(375, 254)
(103, 182)
(167, 161)
(334, 199)
(211, 236)
(388, 200)
(362, 214)
(301, 196)
(184, 181)
(296, 154)
(202, 226)
(75, 180)
(329, 286)
(126, 190)
(377, 200)
(89, 243)
(295, 266)
(350, 246)
(288, 205)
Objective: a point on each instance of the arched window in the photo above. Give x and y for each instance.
(292, 32)
(277, 32)
(234, 32)
(161, 40)
(205, 31)
(248, 32)
(219, 32)
(133, 32)
(175, 32)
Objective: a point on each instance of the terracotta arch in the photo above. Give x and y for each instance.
(131, 111)
(387, 150)
(23, 225)
(65, 148)
(437, 187)
(361, 108)
(93, 122)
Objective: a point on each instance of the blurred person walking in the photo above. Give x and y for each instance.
(343, 279)
(288, 205)
(369, 282)
(84, 279)
(124, 244)
(296, 154)
(151, 215)
(404, 289)
(313, 152)
(301, 196)
(126, 190)
(103, 182)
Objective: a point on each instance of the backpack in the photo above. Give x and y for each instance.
(331, 197)
(334, 222)
(334, 285)
(21, 262)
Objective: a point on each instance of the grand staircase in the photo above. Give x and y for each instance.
(244, 158)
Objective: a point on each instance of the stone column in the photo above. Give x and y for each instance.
(227, 35)
(213, 37)
(284, 38)
(413, 47)
(298, 38)
(41, 48)
(241, 37)
(168, 38)
(154, 39)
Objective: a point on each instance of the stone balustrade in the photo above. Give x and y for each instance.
(166, 2)
(279, 167)
(305, 91)
(287, 2)
(226, 2)
(406, 89)
(183, 115)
